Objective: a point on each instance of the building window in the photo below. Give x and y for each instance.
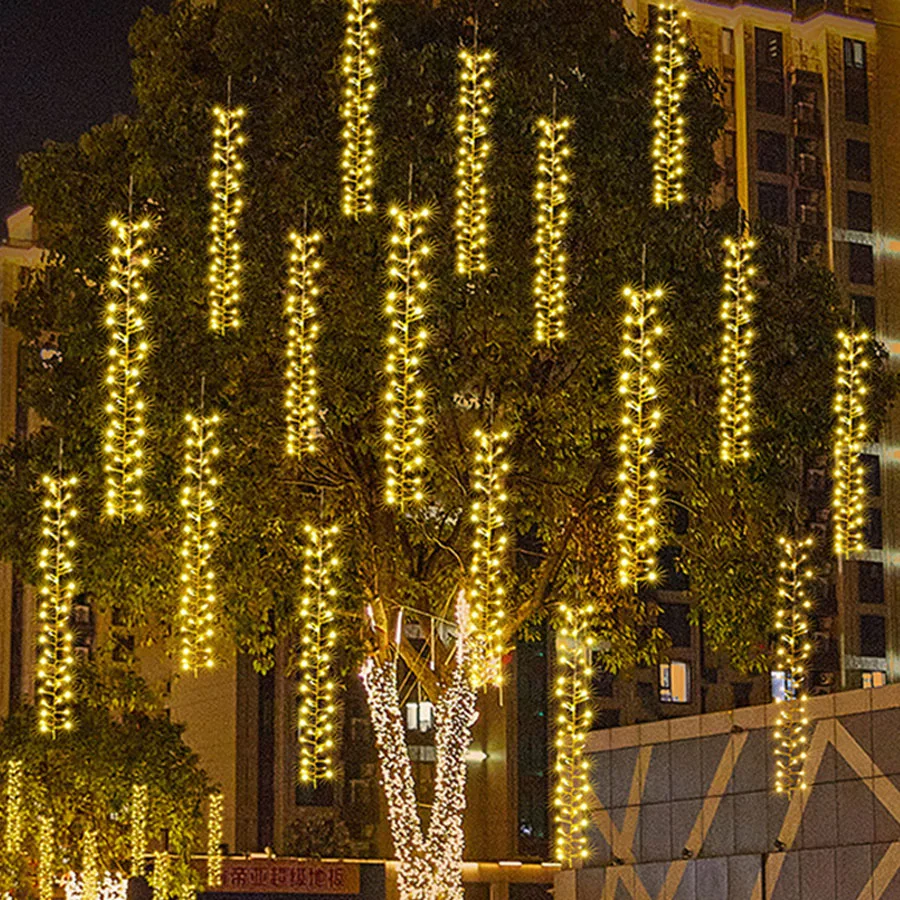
(864, 309)
(872, 529)
(420, 716)
(741, 691)
(859, 211)
(872, 473)
(872, 636)
(862, 263)
(773, 203)
(769, 72)
(671, 578)
(856, 87)
(781, 684)
(870, 581)
(674, 682)
(859, 161)
(873, 679)
(771, 151)
(728, 42)
(674, 620)
(728, 89)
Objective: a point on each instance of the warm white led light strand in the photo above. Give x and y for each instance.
(214, 838)
(160, 877)
(140, 804)
(90, 867)
(14, 812)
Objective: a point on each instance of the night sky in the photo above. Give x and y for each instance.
(64, 66)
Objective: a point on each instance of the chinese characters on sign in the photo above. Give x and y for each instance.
(286, 876)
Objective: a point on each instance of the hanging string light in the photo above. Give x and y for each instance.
(668, 124)
(160, 877)
(358, 135)
(488, 601)
(124, 438)
(792, 628)
(317, 710)
(301, 394)
(140, 802)
(471, 192)
(198, 598)
(404, 427)
(55, 659)
(848, 506)
(638, 478)
(574, 644)
(46, 851)
(15, 784)
(90, 867)
(550, 194)
(214, 838)
(224, 248)
(737, 335)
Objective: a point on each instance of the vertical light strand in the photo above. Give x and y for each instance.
(488, 600)
(668, 123)
(574, 645)
(358, 135)
(404, 427)
(470, 226)
(316, 712)
(140, 803)
(55, 658)
(123, 446)
(46, 851)
(90, 867)
(638, 496)
(197, 611)
(848, 505)
(224, 247)
(550, 194)
(160, 877)
(15, 785)
(214, 838)
(737, 336)
(792, 628)
(301, 393)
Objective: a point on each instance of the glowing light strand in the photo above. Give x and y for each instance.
(214, 838)
(488, 600)
(358, 135)
(470, 225)
(160, 878)
(90, 867)
(550, 193)
(55, 659)
(111, 887)
(404, 428)
(848, 506)
(140, 803)
(638, 497)
(197, 610)
(124, 438)
(15, 787)
(668, 123)
(792, 628)
(316, 711)
(735, 400)
(224, 248)
(46, 852)
(573, 721)
(301, 393)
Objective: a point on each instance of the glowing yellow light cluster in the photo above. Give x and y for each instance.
(404, 427)
(301, 393)
(358, 134)
(471, 192)
(317, 710)
(140, 806)
(55, 659)
(15, 785)
(187, 891)
(638, 497)
(737, 335)
(488, 596)
(668, 124)
(573, 721)
(214, 838)
(46, 851)
(792, 626)
(90, 867)
(159, 878)
(550, 279)
(111, 887)
(848, 505)
(124, 438)
(197, 610)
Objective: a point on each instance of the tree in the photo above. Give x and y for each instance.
(480, 366)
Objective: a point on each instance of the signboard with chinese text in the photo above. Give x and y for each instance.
(288, 876)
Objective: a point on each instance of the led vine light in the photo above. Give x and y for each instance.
(317, 708)
(55, 659)
(488, 600)
(46, 851)
(668, 123)
(224, 248)
(197, 612)
(160, 877)
(404, 427)
(124, 437)
(735, 399)
(301, 394)
(471, 192)
(792, 627)
(574, 645)
(214, 838)
(550, 194)
(140, 803)
(90, 867)
(638, 496)
(15, 786)
(358, 135)
(850, 431)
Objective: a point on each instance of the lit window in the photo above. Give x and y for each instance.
(674, 682)
(728, 41)
(873, 679)
(781, 684)
(420, 716)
